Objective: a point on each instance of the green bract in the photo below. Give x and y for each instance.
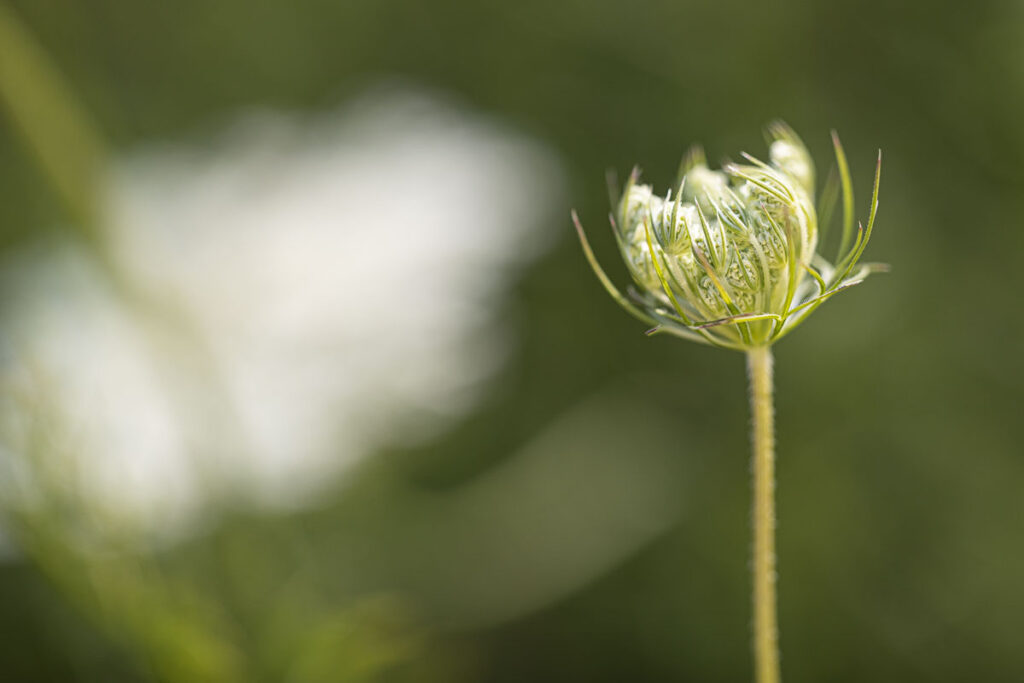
(730, 258)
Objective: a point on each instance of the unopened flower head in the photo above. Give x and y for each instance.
(729, 257)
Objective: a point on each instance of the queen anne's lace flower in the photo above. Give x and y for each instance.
(730, 257)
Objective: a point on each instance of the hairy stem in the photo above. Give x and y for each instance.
(766, 629)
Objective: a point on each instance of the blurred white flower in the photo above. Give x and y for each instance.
(324, 289)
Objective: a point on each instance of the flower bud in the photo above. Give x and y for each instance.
(730, 258)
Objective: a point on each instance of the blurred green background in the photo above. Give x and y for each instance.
(901, 535)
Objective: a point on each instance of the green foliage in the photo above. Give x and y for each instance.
(52, 124)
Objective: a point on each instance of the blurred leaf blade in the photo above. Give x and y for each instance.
(53, 125)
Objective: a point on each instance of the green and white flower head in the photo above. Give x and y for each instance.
(729, 257)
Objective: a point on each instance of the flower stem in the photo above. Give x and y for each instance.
(766, 629)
